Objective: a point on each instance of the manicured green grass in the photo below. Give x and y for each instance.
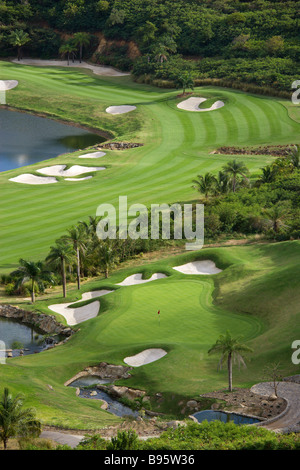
(177, 148)
(256, 295)
(250, 297)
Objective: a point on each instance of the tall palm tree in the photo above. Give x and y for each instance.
(36, 272)
(15, 420)
(19, 38)
(81, 39)
(77, 239)
(205, 184)
(91, 226)
(235, 169)
(230, 349)
(61, 254)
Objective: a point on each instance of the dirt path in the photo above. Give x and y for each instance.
(289, 420)
(97, 69)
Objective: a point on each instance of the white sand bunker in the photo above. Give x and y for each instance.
(138, 279)
(80, 314)
(75, 170)
(145, 357)
(198, 267)
(93, 155)
(6, 85)
(120, 109)
(192, 104)
(27, 178)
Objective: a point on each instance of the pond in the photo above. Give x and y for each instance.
(27, 139)
(88, 389)
(211, 415)
(16, 336)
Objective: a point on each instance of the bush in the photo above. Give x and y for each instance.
(125, 440)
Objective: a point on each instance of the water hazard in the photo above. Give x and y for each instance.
(26, 139)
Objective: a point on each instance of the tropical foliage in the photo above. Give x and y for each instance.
(231, 350)
(15, 420)
(225, 38)
(236, 204)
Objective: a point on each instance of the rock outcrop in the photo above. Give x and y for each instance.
(119, 145)
(103, 371)
(123, 392)
(274, 150)
(45, 323)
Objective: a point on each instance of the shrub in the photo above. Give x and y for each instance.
(125, 440)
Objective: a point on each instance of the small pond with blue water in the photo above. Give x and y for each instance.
(212, 415)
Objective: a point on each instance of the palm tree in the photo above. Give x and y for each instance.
(68, 48)
(235, 169)
(81, 39)
(205, 184)
(34, 272)
(164, 47)
(222, 183)
(277, 214)
(230, 349)
(61, 254)
(268, 174)
(19, 38)
(295, 157)
(108, 258)
(77, 238)
(15, 420)
(90, 226)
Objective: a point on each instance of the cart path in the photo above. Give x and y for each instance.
(290, 391)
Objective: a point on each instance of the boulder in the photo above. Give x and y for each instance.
(192, 404)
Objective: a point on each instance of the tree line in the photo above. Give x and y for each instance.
(236, 204)
(248, 42)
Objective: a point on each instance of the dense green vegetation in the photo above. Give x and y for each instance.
(247, 42)
(209, 436)
(268, 206)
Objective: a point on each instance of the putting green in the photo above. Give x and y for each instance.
(177, 148)
(194, 311)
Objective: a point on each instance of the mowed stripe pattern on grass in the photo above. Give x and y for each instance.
(177, 148)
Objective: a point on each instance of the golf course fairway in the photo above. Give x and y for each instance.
(255, 295)
(177, 147)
